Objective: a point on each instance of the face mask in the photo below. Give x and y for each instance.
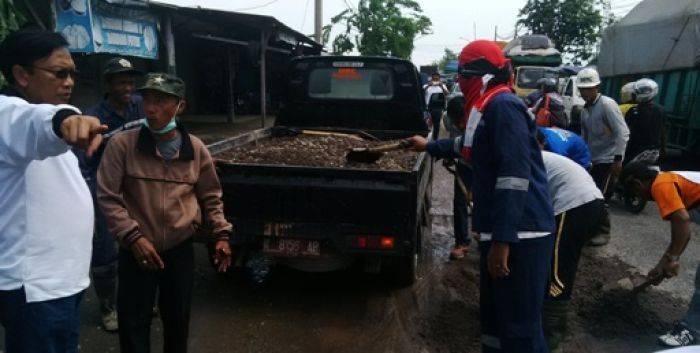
(167, 128)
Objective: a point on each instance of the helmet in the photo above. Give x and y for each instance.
(626, 93)
(645, 90)
(588, 78)
(548, 83)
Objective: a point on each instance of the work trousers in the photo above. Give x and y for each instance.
(136, 295)
(605, 181)
(603, 178)
(50, 326)
(436, 116)
(511, 307)
(460, 220)
(575, 228)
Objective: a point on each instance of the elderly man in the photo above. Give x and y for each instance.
(156, 185)
(47, 219)
(604, 130)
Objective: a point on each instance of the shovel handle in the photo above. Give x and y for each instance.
(326, 133)
(392, 146)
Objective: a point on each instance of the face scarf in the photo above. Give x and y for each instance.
(478, 91)
(167, 128)
(478, 104)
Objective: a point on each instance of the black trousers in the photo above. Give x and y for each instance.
(136, 295)
(436, 115)
(575, 228)
(604, 180)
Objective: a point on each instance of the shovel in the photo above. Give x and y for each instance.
(635, 283)
(372, 154)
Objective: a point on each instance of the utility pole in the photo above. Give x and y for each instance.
(318, 21)
(495, 34)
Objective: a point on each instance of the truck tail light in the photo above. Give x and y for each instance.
(374, 242)
(362, 242)
(387, 242)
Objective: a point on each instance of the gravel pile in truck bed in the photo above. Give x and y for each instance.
(315, 151)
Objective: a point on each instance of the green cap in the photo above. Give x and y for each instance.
(165, 83)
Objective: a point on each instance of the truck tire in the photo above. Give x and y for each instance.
(403, 270)
(407, 270)
(634, 203)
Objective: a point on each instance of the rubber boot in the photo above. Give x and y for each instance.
(555, 322)
(105, 283)
(603, 232)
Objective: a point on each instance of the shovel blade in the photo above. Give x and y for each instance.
(363, 156)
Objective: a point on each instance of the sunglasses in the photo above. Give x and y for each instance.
(61, 74)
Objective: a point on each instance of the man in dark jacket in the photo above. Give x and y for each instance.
(512, 209)
(645, 121)
(120, 109)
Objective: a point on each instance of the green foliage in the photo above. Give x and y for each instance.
(379, 27)
(573, 25)
(10, 20)
(447, 56)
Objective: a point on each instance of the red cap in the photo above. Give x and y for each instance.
(483, 49)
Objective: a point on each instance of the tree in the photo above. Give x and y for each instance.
(573, 25)
(10, 20)
(448, 56)
(379, 27)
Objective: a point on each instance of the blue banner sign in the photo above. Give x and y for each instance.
(107, 28)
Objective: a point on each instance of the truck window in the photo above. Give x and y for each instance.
(351, 83)
(528, 77)
(569, 92)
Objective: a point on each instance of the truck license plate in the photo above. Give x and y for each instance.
(292, 247)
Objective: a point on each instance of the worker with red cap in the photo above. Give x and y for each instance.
(512, 209)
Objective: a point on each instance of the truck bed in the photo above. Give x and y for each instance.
(326, 203)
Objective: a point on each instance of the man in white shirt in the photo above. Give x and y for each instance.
(46, 221)
(435, 87)
(578, 208)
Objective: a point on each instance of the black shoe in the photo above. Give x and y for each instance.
(681, 335)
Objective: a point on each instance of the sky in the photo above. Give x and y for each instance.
(455, 22)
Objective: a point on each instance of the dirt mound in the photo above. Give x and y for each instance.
(618, 313)
(316, 151)
(451, 322)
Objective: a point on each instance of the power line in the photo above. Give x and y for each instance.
(257, 7)
(303, 19)
(349, 5)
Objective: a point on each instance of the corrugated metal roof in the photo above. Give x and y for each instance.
(253, 20)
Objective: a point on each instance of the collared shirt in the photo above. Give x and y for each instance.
(47, 219)
(604, 130)
(115, 122)
(111, 118)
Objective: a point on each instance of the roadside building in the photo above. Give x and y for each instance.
(218, 52)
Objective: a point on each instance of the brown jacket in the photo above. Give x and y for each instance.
(141, 194)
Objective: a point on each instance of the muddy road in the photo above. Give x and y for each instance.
(350, 311)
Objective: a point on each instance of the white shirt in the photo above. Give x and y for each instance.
(569, 185)
(430, 89)
(46, 212)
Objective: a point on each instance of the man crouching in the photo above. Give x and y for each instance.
(154, 186)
